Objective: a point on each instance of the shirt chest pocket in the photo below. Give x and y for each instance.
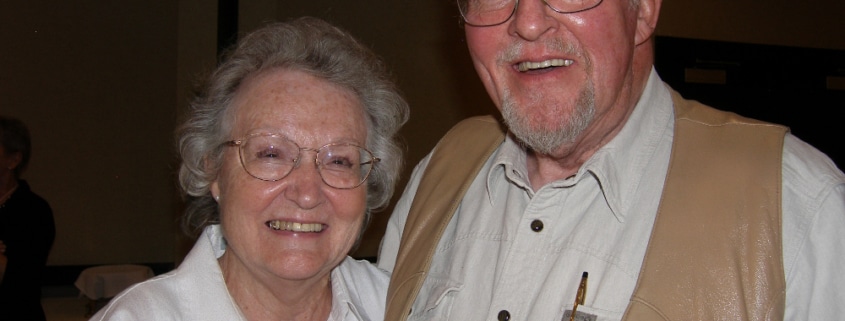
(434, 302)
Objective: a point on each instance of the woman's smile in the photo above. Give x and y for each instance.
(295, 226)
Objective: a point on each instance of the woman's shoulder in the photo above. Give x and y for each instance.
(154, 297)
(170, 296)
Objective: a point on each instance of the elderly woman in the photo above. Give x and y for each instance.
(286, 152)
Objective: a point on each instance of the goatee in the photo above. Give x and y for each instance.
(547, 137)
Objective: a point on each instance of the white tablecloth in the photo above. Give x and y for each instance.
(106, 281)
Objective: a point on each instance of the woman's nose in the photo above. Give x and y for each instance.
(304, 184)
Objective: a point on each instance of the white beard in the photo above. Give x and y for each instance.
(546, 139)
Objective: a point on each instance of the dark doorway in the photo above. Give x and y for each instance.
(802, 88)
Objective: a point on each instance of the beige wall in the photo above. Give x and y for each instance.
(100, 84)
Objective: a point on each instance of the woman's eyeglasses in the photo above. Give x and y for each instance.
(271, 157)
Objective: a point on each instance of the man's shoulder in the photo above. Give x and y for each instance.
(687, 109)
(807, 168)
(364, 285)
(363, 271)
(469, 129)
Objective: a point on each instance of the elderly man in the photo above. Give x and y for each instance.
(609, 196)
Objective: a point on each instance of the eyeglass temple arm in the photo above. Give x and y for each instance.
(372, 161)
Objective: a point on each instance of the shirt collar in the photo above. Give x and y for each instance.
(342, 302)
(214, 233)
(619, 166)
(508, 164)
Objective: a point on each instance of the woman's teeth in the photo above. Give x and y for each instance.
(528, 65)
(295, 227)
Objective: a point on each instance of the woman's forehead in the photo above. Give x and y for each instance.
(295, 103)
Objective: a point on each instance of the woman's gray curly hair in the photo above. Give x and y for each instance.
(306, 44)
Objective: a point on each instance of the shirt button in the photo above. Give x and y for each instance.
(504, 315)
(537, 225)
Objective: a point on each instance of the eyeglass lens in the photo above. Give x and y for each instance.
(273, 157)
(493, 12)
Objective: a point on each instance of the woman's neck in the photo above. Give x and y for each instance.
(259, 300)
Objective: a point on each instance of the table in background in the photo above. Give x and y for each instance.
(106, 281)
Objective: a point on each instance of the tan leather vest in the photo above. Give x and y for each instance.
(715, 250)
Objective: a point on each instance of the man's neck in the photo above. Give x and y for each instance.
(544, 169)
(568, 159)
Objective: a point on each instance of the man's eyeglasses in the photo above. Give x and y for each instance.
(485, 13)
(271, 157)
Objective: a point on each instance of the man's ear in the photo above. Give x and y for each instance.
(647, 14)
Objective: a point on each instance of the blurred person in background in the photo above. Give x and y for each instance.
(27, 229)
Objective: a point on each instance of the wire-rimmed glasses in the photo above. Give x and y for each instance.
(271, 157)
(485, 13)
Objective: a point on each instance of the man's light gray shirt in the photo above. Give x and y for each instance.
(490, 259)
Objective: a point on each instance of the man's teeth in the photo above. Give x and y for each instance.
(295, 227)
(528, 65)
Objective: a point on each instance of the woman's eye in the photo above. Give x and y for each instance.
(267, 153)
(340, 162)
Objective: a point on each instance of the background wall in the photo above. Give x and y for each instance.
(101, 83)
(95, 81)
(811, 23)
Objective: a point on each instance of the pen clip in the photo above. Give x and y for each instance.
(582, 289)
(580, 296)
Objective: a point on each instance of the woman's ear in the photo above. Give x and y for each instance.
(647, 14)
(214, 187)
(215, 190)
